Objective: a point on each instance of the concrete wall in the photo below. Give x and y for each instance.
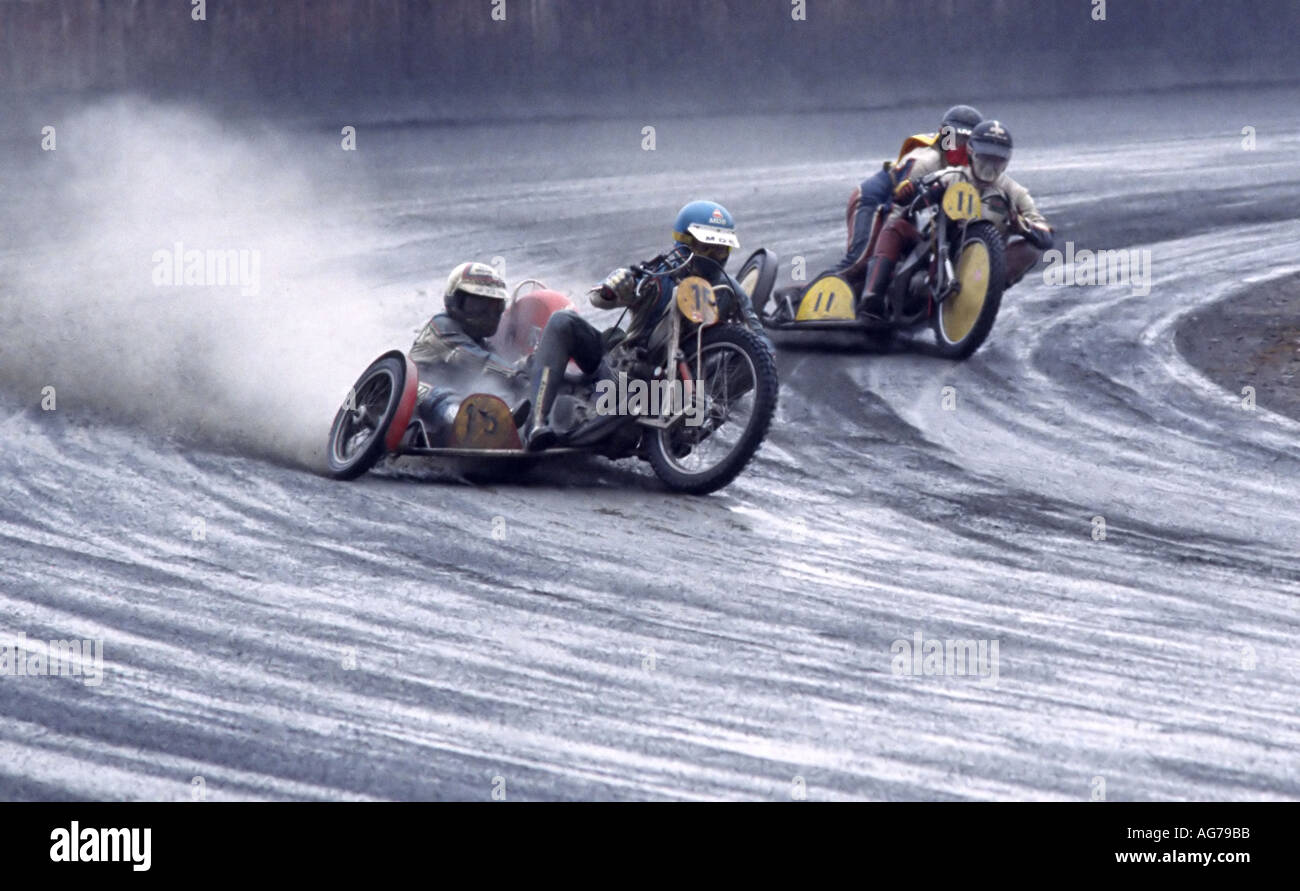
(568, 55)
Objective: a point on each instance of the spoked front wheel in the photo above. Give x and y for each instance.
(734, 404)
(964, 320)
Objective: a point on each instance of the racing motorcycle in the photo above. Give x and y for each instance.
(716, 381)
(953, 278)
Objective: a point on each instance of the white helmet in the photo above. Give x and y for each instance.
(475, 297)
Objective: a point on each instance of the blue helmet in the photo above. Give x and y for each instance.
(706, 228)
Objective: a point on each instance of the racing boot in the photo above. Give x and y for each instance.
(537, 433)
(871, 305)
(522, 412)
(538, 438)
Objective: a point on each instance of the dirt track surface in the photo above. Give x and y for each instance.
(1251, 339)
(377, 640)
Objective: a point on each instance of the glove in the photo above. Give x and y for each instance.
(934, 194)
(619, 287)
(924, 198)
(904, 192)
(1039, 235)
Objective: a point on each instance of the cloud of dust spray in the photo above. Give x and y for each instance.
(261, 372)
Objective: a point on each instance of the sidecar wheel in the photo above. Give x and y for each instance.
(357, 437)
(757, 276)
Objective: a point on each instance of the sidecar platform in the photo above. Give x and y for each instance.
(827, 304)
(484, 429)
(845, 325)
(487, 454)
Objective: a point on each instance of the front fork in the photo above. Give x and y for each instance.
(675, 361)
(945, 284)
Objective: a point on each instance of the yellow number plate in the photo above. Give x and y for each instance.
(484, 422)
(827, 298)
(962, 202)
(696, 300)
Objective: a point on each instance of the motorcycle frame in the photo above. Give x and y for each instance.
(674, 354)
(941, 278)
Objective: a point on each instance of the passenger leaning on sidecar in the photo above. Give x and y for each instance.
(452, 351)
(705, 234)
(1006, 204)
(920, 155)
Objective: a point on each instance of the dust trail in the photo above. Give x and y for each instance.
(254, 360)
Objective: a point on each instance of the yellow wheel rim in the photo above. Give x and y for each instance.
(958, 313)
(750, 281)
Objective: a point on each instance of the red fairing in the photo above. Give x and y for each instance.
(405, 408)
(521, 328)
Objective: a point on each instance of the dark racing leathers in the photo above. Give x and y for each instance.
(569, 336)
(919, 155)
(1005, 203)
(449, 360)
(873, 192)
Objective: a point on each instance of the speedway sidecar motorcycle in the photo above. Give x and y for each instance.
(953, 279)
(697, 443)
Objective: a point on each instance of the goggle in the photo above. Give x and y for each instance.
(477, 306)
(987, 168)
(715, 252)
